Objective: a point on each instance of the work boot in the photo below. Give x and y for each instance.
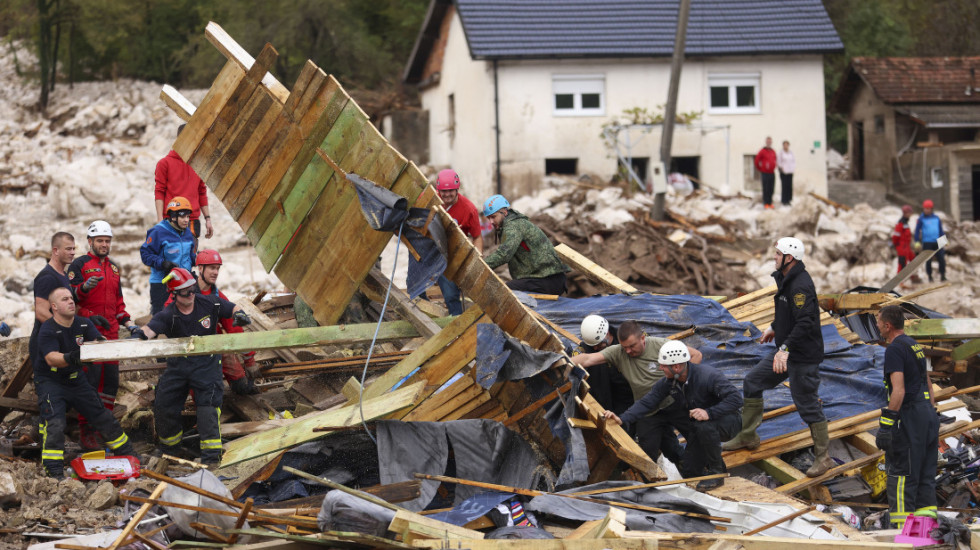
(706, 485)
(821, 442)
(243, 386)
(751, 418)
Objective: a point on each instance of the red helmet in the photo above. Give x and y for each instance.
(905, 210)
(208, 257)
(179, 278)
(177, 204)
(927, 203)
(447, 180)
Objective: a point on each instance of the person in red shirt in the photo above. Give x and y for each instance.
(96, 282)
(902, 238)
(174, 178)
(232, 368)
(765, 163)
(464, 212)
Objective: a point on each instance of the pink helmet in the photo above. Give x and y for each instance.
(447, 180)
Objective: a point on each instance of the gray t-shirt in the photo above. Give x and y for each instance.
(641, 372)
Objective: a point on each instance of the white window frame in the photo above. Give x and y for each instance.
(576, 85)
(733, 81)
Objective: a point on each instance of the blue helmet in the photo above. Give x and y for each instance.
(494, 203)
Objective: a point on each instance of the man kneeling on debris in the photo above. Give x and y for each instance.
(635, 356)
(191, 314)
(60, 382)
(705, 411)
(531, 258)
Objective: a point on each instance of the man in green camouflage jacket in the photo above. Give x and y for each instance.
(531, 258)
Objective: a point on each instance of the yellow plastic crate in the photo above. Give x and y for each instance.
(876, 476)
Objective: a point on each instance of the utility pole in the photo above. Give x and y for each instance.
(670, 111)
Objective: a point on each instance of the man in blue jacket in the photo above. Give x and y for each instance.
(169, 244)
(705, 411)
(927, 232)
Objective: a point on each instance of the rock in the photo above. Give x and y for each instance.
(9, 490)
(104, 496)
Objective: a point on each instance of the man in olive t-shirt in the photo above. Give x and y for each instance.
(636, 358)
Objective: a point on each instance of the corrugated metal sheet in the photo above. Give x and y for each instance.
(612, 28)
(944, 116)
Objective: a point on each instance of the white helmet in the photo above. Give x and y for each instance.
(673, 353)
(791, 246)
(594, 329)
(100, 228)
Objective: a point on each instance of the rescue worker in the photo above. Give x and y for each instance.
(608, 386)
(797, 355)
(60, 383)
(902, 238)
(464, 213)
(191, 314)
(233, 369)
(634, 357)
(168, 245)
(706, 411)
(531, 258)
(908, 429)
(928, 229)
(175, 178)
(96, 282)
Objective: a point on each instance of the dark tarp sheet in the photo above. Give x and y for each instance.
(636, 520)
(851, 375)
(472, 508)
(484, 450)
(501, 357)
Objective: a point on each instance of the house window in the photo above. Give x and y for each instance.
(579, 95)
(568, 167)
(451, 129)
(879, 124)
(731, 94)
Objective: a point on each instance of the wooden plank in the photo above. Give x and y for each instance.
(776, 522)
(381, 284)
(549, 544)
(810, 482)
(750, 297)
(16, 384)
(254, 126)
(785, 473)
(180, 105)
(414, 526)
(261, 321)
(115, 350)
(619, 441)
(234, 52)
(444, 366)
(300, 430)
(199, 124)
(12, 403)
(966, 351)
(593, 271)
(852, 301)
(137, 517)
(425, 411)
(943, 329)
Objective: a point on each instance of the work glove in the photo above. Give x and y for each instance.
(168, 266)
(4, 329)
(886, 425)
(73, 358)
(100, 322)
(241, 319)
(917, 246)
(136, 332)
(91, 283)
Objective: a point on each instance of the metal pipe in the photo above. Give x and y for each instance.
(496, 124)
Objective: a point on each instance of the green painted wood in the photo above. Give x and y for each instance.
(943, 329)
(225, 83)
(220, 160)
(966, 350)
(115, 350)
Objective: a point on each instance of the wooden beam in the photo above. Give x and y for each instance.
(785, 473)
(11, 403)
(380, 284)
(776, 522)
(593, 271)
(123, 537)
(115, 350)
(808, 482)
(943, 329)
(966, 351)
(234, 52)
(415, 527)
(16, 383)
(852, 301)
(300, 430)
(180, 105)
(624, 446)
(922, 257)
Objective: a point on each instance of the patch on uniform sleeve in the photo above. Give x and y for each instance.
(206, 322)
(71, 275)
(799, 299)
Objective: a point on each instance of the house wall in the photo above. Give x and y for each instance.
(963, 158)
(879, 140)
(791, 98)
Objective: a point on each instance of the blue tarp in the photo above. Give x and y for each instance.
(851, 375)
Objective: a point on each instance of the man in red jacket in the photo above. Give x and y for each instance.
(174, 178)
(95, 280)
(765, 163)
(902, 238)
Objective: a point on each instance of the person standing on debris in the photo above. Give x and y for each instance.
(928, 229)
(786, 163)
(634, 357)
(168, 245)
(60, 383)
(797, 355)
(233, 369)
(765, 163)
(902, 238)
(908, 430)
(704, 411)
(52, 276)
(191, 314)
(463, 211)
(96, 282)
(608, 386)
(174, 178)
(531, 258)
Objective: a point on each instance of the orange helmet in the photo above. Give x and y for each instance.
(208, 257)
(177, 204)
(179, 278)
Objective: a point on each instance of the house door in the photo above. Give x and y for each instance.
(857, 162)
(976, 192)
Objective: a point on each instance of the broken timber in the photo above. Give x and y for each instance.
(277, 158)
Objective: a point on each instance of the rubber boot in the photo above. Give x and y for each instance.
(751, 418)
(821, 442)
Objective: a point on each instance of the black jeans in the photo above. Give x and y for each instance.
(787, 188)
(552, 284)
(768, 186)
(940, 255)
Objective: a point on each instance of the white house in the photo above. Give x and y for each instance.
(515, 90)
